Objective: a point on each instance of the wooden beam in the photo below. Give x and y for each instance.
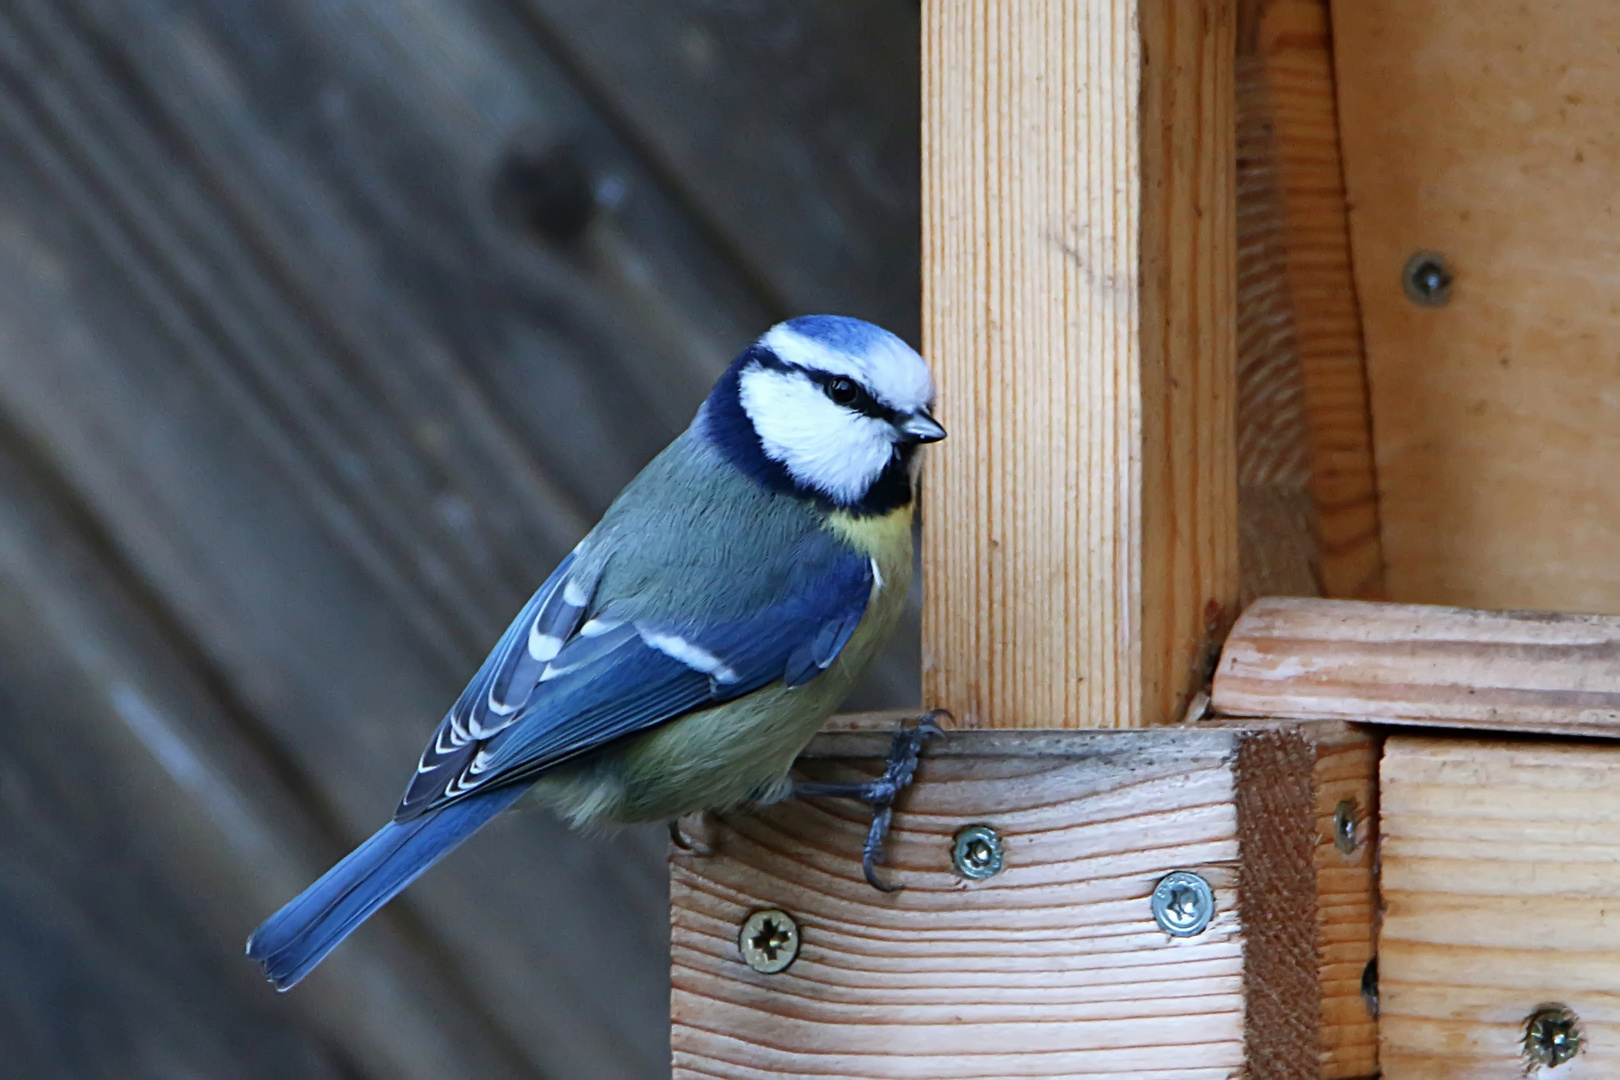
(1055, 966)
(1344, 799)
(152, 833)
(1285, 53)
(1344, 780)
(1484, 132)
(1277, 543)
(1500, 864)
(1413, 664)
(1078, 299)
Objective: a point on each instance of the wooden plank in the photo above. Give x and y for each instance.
(1053, 967)
(1484, 132)
(1292, 49)
(1499, 867)
(1277, 548)
(145, 833)
(257, 312)
(1416, 664)
(791, 126)
(1078, 306)
(1344, 784)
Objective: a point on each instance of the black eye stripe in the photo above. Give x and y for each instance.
(864, 402)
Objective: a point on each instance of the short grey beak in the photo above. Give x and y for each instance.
(920, 427)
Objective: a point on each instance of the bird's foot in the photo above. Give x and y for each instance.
(880, 793)
(691, 846)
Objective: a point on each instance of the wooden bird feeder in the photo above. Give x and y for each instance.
(1227, 298)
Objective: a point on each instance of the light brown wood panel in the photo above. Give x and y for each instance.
(1346, 771)
(1277, 549)
(1420, 664)
(1293, 50)
(1485, 131)
(1054, 967)
(1500, 865)
(1078, 256)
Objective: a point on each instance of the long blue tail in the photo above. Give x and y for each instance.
(296, 938)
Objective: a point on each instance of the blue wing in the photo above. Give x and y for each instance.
(559, 684)
(495, 695)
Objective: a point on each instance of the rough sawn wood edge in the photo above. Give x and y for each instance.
(1424, 665)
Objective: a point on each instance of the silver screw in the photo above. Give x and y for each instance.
(1552, 1036)
(1427, 279)
(1344, 827)
(769, 941)
(1183, 904)
(976, 852)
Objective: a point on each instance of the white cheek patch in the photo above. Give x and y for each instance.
(822, 445)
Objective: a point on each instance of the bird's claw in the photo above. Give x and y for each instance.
(686, 843)
(880, 793)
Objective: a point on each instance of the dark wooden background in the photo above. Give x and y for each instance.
(326, 327)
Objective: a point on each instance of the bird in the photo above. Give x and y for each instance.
(684, 653)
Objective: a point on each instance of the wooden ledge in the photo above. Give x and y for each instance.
(1054, 966)
(1416, 664)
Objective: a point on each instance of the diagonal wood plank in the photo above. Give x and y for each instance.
(144, 829)
(265, 378)
(792, 127)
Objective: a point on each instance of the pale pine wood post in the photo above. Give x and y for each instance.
(1080, 557)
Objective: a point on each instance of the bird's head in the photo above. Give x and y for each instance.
(827, 407)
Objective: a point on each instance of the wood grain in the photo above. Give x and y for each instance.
(146, 833)
(1308, 515)
(1293, 50)
(1053, 967)
(1277, 549)
(1499, 872)
(1078, 265)
(1343, 769)
(259, 318)
(791, 127)
(1416, 664)
(1346, 770)
(1485, 132)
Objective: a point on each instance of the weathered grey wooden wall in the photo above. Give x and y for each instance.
(326, 326)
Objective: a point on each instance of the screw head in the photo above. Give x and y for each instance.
(1427, 279)
(1183, 904)
(769, 941)
(1552, 1036)
(976, 852)
(1344, 827)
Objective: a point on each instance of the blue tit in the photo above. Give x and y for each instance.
(683, 654)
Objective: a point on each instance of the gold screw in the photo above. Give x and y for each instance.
(1552, 1036)
(1344, 827)
(769, 941)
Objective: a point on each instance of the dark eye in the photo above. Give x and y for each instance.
(843, 391)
